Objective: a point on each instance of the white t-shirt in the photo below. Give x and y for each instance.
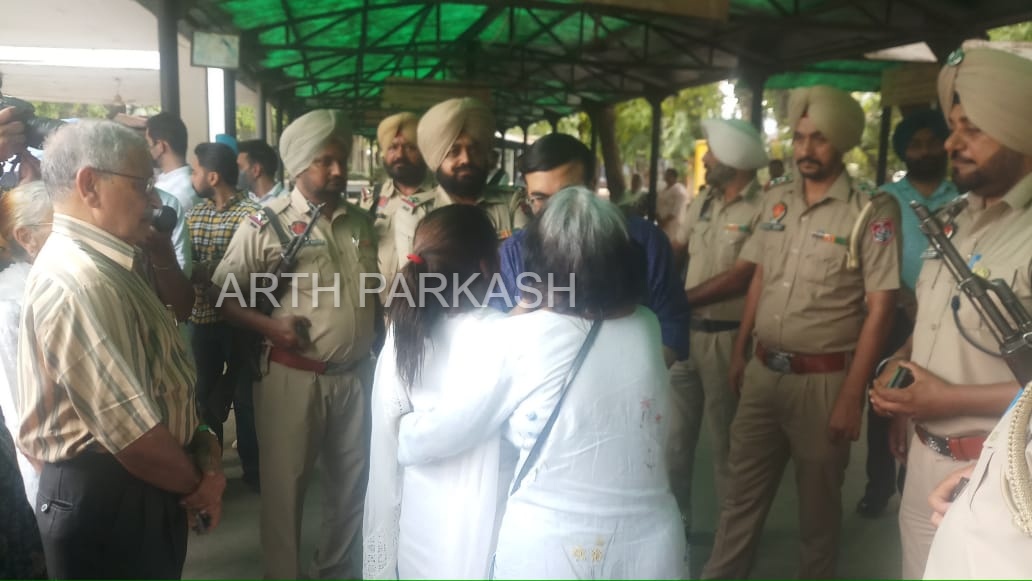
(177, 182)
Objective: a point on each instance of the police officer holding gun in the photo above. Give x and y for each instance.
(311, 399)
(961, 384)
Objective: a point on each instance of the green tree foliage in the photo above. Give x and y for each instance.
(1014, 33)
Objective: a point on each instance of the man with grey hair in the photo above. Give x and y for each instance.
(106, 401)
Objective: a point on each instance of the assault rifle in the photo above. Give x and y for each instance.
(1013, 330)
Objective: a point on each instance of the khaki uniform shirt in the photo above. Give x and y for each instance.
(811, 303)
(387, 208)
(413, 208)
(997, 243)
(344, 245)
(715, 232)
(100, 360)
(978, 539)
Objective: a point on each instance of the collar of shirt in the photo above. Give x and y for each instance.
(390, 189)
(905, 192)
(177, 175)
(1021, 194)
(840, 189)
(300, 203)
(209, 205)
(118, 250)
(272, 194)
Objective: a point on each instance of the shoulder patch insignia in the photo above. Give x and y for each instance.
(882, 231)
(258, 220)
(298, 227)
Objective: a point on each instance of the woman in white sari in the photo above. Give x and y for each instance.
(436, 520)
(26, 215)
(580, 387)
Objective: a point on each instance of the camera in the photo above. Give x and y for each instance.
(37, 129)
(164, 219)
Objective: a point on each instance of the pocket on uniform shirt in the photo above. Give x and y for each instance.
(822, 261)
(731, 243)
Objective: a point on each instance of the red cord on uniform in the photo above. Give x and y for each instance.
(416, 259)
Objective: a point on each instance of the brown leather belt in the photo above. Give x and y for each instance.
(295, 361)
(800, 363)
(961, 449)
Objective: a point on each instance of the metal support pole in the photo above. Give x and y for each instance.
(229, 100)
(756, 111)
(262, 113)
(279, 118)
(883, 145)
(168, 55)
(657, 119)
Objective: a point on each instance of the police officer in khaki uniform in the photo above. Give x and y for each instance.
(454, 138)
(311, 400)
(408, 176)
(960, 388)
(716, 226)
(819, 307)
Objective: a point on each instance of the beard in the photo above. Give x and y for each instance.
(719, 175)
(469, 186)
(406, 173)
(245, 183)
(927, 168)
(994, 178)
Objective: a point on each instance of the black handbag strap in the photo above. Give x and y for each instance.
(535, 450)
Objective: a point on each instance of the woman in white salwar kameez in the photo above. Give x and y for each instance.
(595, 501)
(436, 520)
(26, 216)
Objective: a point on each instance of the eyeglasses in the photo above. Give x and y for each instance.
(148, 182)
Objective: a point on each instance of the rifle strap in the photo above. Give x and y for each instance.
(276, 225)
(377, 190)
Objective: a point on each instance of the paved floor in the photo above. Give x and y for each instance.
(870, 548)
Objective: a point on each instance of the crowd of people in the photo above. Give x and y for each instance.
(535, 412)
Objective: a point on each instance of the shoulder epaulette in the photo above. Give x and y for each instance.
(866, 187)
(779, 181)
(258, 220)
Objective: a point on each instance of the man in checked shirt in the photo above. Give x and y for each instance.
(222, 372)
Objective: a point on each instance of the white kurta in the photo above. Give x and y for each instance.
(435, 520)
(978, 538)
(597, 503)
(12, 286)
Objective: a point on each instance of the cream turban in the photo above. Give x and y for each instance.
(735, 143)
(307, 135)
(837, 115)
(442, 124)
(403, 123)
(995, 89)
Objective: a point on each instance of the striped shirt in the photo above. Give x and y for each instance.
(210, 231)
(100, 361)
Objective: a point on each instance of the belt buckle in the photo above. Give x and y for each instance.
(779, 361)
(938, 445)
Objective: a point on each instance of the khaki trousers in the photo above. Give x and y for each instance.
(301, 416)
(925, 470)
(699, 387)
(782, 416)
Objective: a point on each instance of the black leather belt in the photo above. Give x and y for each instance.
(712, 326)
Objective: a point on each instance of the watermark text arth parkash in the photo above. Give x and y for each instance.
(430, 287)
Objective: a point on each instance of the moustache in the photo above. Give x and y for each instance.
(956, 157)
(808, 160)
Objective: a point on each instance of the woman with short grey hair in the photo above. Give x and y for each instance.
(579, 386)
(26, 215)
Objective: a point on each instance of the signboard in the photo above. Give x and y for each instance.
(910, 84)
(709, 9)
(215, 50)
(420, 94)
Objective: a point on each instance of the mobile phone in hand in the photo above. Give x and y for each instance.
(902, 378)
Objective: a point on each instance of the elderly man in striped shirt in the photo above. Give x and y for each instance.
(106, 380)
